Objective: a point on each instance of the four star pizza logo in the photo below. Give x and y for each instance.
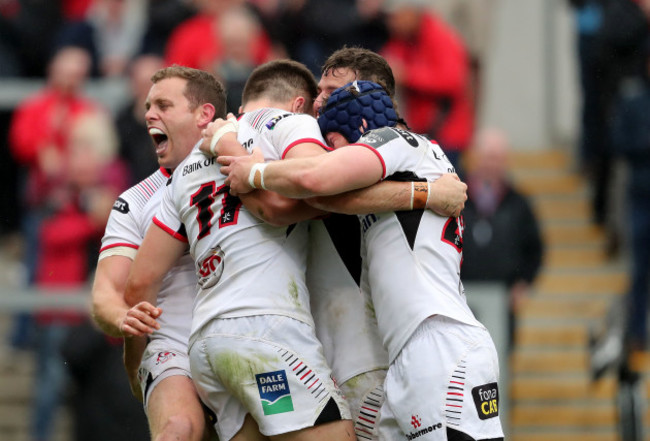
(210, 267)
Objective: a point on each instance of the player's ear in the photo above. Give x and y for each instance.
(206, 114)
(298, 104)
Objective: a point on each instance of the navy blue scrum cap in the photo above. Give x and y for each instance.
(347, 106)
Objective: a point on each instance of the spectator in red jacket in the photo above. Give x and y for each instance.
(79, 208)
(38, 137)
(431, 68)
(196, 42)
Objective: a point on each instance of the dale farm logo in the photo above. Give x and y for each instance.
(274, 392)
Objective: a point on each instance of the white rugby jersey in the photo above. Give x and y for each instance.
(245, 266)
(345, 318)
(127, 224)
(411, 259)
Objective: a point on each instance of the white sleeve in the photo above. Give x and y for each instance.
(295, 129)
(398, 150)
(167, 216)
(122, 228)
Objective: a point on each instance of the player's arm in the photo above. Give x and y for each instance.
(108, 305)
(342, 170)
(276, 209)
(109, 308)
(445, 196)
(268, 206)
(157, 255)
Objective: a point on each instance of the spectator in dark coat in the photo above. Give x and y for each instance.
(501, 241)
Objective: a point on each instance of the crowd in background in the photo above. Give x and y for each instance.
(66, 156)
(613, 50)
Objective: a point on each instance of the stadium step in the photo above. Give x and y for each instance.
(576, 257)
(550, 185)
(559, 335)
(17, 374)
(541, 361)
(563, 434)
(562, 387)
(566, 209)
(566, 234)
(601, 280)
(593, 415)
(563, 307)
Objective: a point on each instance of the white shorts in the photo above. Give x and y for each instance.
(160, 361)
(365, 395)
(443, 385)
(270, 366)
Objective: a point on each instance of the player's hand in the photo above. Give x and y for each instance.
(447, 195)
(215, 131)
(140, 320)
(238, 170)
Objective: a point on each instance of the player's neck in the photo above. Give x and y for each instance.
(262, 103)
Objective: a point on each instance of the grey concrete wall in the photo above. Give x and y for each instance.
(530, 83)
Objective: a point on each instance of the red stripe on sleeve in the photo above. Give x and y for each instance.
(305, 140)
(108, 247)
(174, 234)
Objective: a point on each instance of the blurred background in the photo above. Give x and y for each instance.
(542, 105)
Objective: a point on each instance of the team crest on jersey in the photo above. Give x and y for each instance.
(274, 392)
(273, 121)
(486, 399)
(210, 268)
(164, 357)
(452, 233)
(121, 205)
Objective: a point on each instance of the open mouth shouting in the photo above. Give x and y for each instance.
(160, 140)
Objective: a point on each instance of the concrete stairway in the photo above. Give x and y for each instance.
(17, 373)
(552, 395)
